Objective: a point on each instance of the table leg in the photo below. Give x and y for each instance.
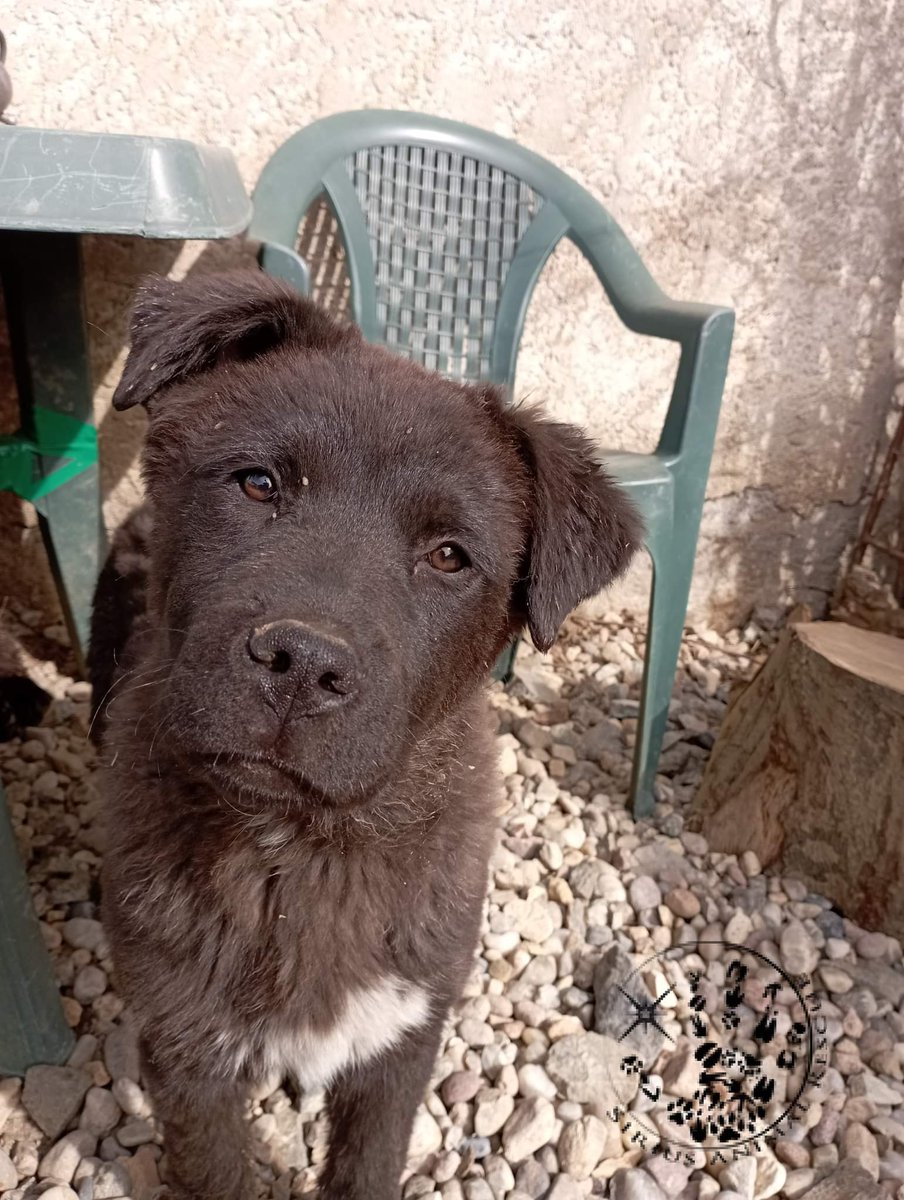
(42, 283)
(41, 276)
(32, 1026)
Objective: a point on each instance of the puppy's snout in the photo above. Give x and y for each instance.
(314, 668)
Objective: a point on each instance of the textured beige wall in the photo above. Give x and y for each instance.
(752, 150)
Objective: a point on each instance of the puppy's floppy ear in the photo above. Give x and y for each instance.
(584, 530)
(181, 329)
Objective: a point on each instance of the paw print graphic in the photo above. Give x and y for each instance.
(680, 1112)
(733, 1059)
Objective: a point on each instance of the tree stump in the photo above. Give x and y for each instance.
(808, 769)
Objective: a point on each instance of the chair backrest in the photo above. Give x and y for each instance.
(445, 228)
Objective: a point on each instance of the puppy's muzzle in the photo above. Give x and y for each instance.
(304, 667)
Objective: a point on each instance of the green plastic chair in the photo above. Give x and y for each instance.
(446, 229)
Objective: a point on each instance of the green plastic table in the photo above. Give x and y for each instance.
(54, 187)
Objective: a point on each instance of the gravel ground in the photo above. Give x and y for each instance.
(577, 889)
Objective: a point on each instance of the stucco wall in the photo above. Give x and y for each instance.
(752, 150)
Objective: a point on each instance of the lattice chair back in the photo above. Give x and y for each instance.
(444, 229)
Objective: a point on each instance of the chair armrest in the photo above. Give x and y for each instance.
(286, 264)
(675, 320)
(689, 431)
(633, 292)
(703, 331)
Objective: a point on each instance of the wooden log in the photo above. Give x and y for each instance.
(808, 769)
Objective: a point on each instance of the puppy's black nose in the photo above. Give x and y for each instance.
(315, 670)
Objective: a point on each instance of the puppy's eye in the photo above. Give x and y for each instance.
(257, 485)
(448, 558)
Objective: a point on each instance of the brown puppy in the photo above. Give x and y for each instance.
(301, 778)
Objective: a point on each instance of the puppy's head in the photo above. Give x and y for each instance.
(342, 541)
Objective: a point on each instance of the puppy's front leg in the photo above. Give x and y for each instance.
(205, 1134)
(371, 1110)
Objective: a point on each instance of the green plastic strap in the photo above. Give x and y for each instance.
(57, 435)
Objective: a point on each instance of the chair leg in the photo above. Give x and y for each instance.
(42, 283)
(504, 666)
(668, 607)
(70, 522)
(33, 1029)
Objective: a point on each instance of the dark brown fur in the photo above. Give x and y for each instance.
(272, 849)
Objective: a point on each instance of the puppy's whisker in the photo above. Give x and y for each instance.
(118, 682)
(223, 798)
(128, 691)
(168, 721)
(151, 708)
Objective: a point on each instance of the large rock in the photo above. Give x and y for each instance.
(799, 954)
(634, 1184)
(809, 789)
(101, 1112)
(10, 1090)
(460, 1087)
(537, 679)
(61, 1159)
(82, 933)
(586, 1067)
(847, 1182)
(53, 1095)
(739, 1176)
(532, 1178)
(112, 1181)
(671, 1176)
(426, 1137)
(581, 1146)
(595, 878)
(665, 865)
(287, 1145)
(885, 982)
(644, 893)
(565, 1188)
(145, 1177)
(770, 1177)
(681, 1073)
(491, 1112)
(528, 1129)
(860, 1145)
(613, 1012)
(9, 1176)
(121, 1053)
(604, 738)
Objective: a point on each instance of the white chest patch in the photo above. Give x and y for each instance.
(372, 1020)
